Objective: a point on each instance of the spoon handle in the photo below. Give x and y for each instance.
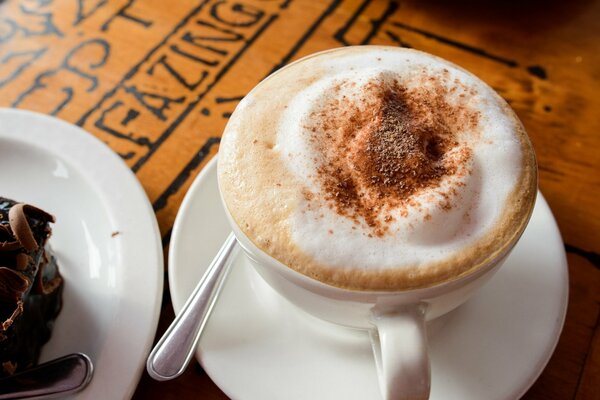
(54, 379)
(174, 350)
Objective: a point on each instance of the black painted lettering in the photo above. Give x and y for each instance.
(188, 37)
(41, 83)
(15, 62)
(94, 59)
(117, 107)
(217, 34)
(155, 103)
(164, 62)
(85, 10)
(236, 14)
(88, 55)
(126, 14)
(8, 28)
(131, 115)
(43, 21)
(198, 59)
(197, 53)
(68, 95)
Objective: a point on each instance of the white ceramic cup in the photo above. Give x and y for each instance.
(397, 321)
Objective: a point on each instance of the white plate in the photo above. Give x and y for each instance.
(105, 238)
(257, 346)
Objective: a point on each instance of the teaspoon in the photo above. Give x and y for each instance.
(53, 379)
(174, 350)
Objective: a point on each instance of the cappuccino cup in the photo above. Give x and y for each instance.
(377, 188)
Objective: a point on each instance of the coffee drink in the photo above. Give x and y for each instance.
(377, 168)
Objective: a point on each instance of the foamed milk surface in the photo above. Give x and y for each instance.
(411, 240)
(423, 235)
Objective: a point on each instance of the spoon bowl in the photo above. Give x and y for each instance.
(57, 378)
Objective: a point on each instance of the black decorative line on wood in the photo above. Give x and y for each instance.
(375, 23)
(551, 170)
(339, 35)
(185, 173)
(126, 156)
(156, 144)
(592, 257)
(397, 39)
(538, 71)
(180, 180)
(459, 45)
(311, 30)
(166, 239)
(136, 67)
(220, 100)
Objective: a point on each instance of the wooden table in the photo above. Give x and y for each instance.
(157, 80)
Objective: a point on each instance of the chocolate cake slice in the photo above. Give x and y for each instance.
(30, 285)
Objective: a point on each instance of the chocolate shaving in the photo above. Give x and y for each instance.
(12, 285)
(9, 321)
(7, 240)
(37, 213)
(22, 260)
(20, 225)
(46, 286)
(9, 367)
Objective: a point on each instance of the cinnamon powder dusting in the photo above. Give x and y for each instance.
(387, 144)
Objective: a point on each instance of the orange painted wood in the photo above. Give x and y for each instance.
(157, 80)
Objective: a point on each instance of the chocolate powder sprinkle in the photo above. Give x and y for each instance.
(386, 146)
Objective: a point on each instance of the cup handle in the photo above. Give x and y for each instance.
(399, 343)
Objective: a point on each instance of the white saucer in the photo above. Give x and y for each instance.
(257, 346)
(105, 238)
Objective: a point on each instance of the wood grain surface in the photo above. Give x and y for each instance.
(157, 81)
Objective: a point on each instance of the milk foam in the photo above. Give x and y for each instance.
(335, 240)
(269, 175)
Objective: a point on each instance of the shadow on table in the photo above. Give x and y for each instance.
(522, 16)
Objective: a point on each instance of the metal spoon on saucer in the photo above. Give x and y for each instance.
(175, 349)
(53, 379)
